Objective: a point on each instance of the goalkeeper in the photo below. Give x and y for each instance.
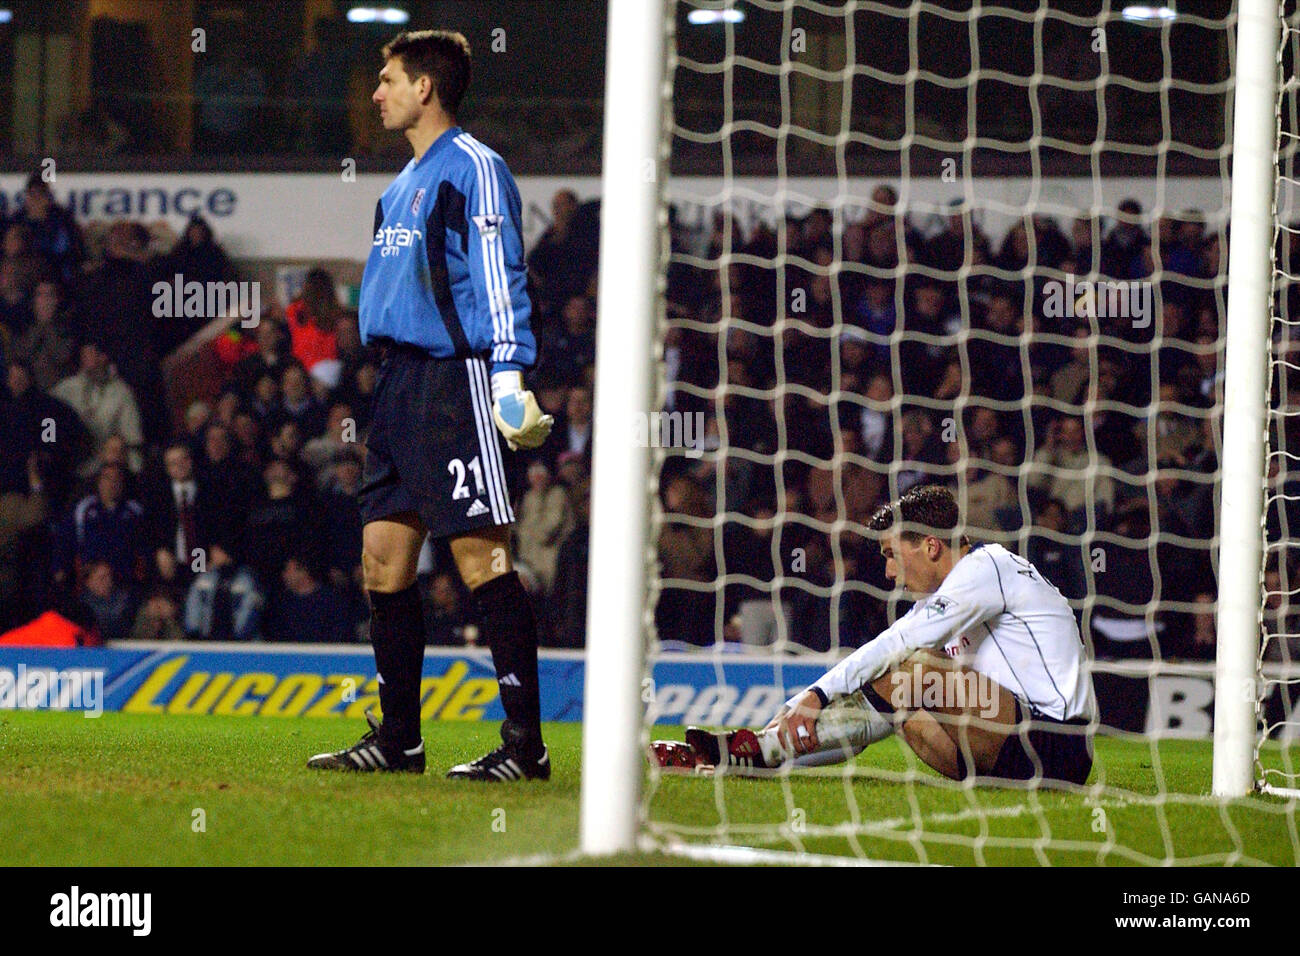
(443, 297)
(985, 676)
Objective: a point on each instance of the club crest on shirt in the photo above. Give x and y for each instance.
(489, 226)
(416, 200)
(939, 605)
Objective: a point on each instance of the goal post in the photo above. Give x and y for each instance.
(629, 303)
(1246, 400)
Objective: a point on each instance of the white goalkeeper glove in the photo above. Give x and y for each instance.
(516, 412)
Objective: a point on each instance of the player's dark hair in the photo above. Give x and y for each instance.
(441, 55)
(924, 511)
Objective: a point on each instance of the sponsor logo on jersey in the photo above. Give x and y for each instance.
(394, 239)
(416, 200)
(476, 509)
(489, 226)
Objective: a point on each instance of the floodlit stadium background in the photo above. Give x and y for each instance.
(871, 336)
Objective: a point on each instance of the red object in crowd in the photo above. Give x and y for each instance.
(51, 629)
(310, 344)
(231, 346)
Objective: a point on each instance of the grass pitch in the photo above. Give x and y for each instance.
(204, 790)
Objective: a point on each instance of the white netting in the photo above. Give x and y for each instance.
(1280, 626)
(884, 220)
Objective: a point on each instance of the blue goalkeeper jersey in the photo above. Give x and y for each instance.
(446, 270)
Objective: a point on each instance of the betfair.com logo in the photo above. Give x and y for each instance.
(394, 239)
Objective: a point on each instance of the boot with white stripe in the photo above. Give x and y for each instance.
(370, 754)
(740, 750)
(517, 758)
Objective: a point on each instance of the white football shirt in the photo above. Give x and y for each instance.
(995, 614)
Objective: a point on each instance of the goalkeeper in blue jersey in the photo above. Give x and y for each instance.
(443, 298)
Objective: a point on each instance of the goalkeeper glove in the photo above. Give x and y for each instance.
(516, 412)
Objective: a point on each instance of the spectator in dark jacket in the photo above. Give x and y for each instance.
(48, 345)
(1061, 562)
(31, 417)
(1121, 252)
(180, 509)
(104, 526)
(298, 404)
(23, 510)
(54, 231)
(995, 351)
(948, 249)
(15, 305)
(342, 517)
(116, 310)
(556, 273)
(196, 257)
(570, 344)
(281, 522)
(112, 604)
(568, 604)
(306, 609)
(233, 485)
(445, 613)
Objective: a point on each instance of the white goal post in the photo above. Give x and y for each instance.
(630, 300)
(1250, 271)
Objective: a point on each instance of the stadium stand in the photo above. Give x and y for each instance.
(202, 483)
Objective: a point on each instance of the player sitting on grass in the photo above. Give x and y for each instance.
(1009, 697)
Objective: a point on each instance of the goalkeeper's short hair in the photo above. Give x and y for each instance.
(441, 55)
(924, 511)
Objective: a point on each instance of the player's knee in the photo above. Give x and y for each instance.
(481, 560)
(385, 575)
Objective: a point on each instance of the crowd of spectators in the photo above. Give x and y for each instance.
(236, 518)
(846, 365)
(829, 368)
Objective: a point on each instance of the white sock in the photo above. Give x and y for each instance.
(770, 744)
(845, 727)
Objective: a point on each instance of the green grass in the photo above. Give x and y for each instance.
(1117, 820)
(123, 790)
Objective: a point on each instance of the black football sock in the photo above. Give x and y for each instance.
(507, 625)
(397, 635)
(877, 701)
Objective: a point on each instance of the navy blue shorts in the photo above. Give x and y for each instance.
(1046, 749)
(433, 448)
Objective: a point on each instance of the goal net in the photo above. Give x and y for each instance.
(1280, 584)
(981, 246)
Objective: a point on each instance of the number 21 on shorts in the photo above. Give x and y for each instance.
(458, 469)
